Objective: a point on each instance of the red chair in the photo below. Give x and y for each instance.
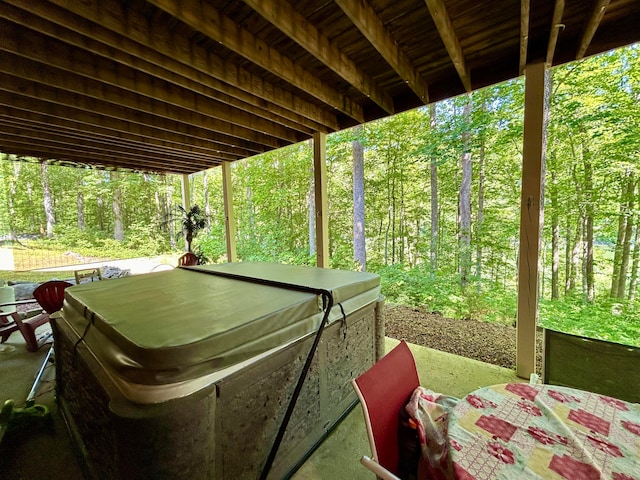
(383, 390)
(187, 260)
(7, 326)
(50, 296)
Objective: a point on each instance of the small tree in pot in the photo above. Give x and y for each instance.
(192, 221)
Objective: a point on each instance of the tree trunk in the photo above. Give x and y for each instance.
(47, 199)
(311, 209)
(169, 207)
(207, 203)
(33, 222)
(160, 200)
(589, 211)
(80, 204)
(480, 214)
(634, 264)
(574, 262)
(359, 247)
(12, 201)
(392, 208)
(465, 197)
(626, 244)
(434, 195)
(555, 229)
(118, 229)
(567, 256)
(622, 226)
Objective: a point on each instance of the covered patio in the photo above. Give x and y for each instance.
(179, 87)
(165, 86)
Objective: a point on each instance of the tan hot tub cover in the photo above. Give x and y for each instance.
(173, 326)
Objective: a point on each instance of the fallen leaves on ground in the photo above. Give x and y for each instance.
(486, 342)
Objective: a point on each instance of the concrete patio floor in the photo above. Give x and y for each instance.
(48, 455)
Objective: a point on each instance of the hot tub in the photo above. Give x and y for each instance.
(187, 373)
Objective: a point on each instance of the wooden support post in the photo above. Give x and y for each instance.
(322, 211)
(186, 199)
(229, 218)
(530, 215)
(186, 192)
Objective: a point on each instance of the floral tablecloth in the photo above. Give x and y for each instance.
(523, 431)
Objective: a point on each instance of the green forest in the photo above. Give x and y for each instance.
(429, 199)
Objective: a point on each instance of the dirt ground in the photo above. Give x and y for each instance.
(495, 344)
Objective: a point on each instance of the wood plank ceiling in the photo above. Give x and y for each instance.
(184, 85)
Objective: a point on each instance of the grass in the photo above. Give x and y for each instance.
(25, 258)
(33, 277)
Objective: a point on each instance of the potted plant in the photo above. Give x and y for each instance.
(192, 221)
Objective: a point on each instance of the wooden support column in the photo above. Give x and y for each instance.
(530, 215)
(322, 211)
(186, 192)
(186, 199)
(229, 218)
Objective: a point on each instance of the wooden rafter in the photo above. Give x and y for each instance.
(450, 39)
(281, 14)
(556, 26)
(69, 29)
(133, 38)
(82, 67)
(206, 19)
(58, 143)
(370, 25)
(92, 104)
(29, 127)
(101, 161)
(39, 111)
(592, 25)
(525, 11)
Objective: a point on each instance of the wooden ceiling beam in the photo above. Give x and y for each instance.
(556, 26)
(45, 151)
(592, 25)
(60, 142)
(131, 32)
(85, 94)
(451, 42)
(79, 63)
(281, 14)
(100, 41)
(27, 129)
(37, 95)
(204, 18)
(36, 110)
(367, 21)
(525, 12)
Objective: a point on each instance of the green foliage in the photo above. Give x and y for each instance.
(605, 319)
(145, 239)
(421, 287)
(212, 245)
(73, 237)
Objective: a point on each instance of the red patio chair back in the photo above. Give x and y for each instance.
(383, 390)
(187, 259)
(50, 295)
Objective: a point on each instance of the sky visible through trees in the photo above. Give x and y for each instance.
(441, 189)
